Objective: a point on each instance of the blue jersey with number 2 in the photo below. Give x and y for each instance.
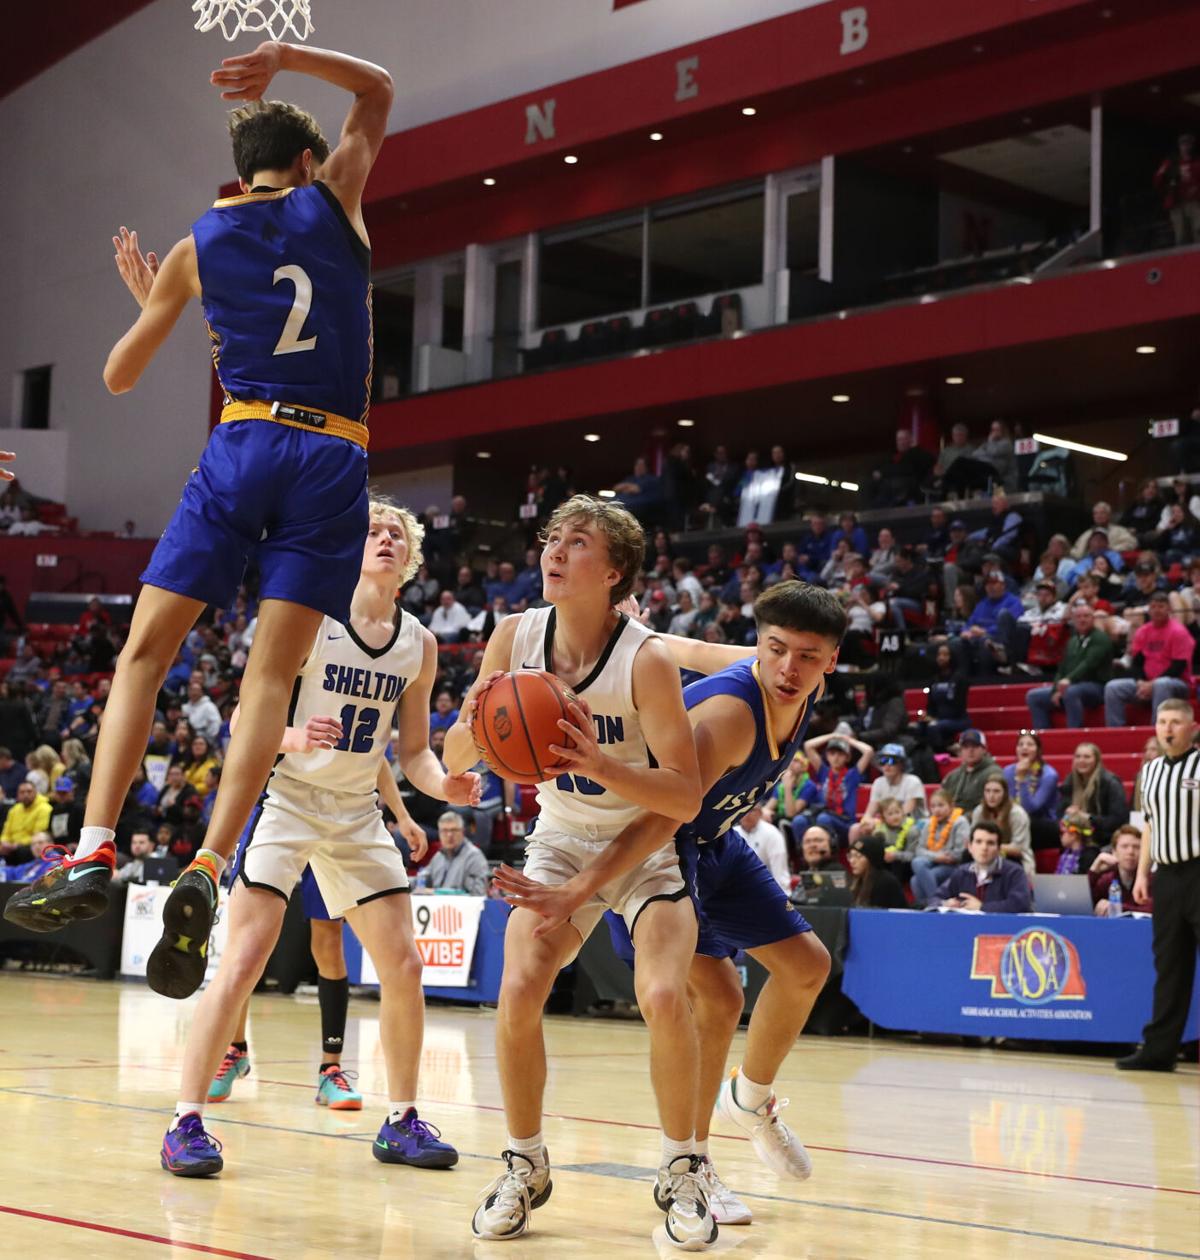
(285, 285)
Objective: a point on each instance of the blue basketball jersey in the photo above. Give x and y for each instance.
(738, 790)
(286, 288)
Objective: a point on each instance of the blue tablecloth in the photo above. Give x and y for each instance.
(1049, 977)
(487, 963)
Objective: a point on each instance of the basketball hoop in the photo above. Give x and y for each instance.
(269, 17)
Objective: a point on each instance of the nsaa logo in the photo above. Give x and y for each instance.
(1033, 967)
(502, 723)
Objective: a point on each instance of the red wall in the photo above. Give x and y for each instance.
(97, 565)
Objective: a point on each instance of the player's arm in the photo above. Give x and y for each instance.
(672, 787)
(246, 78)
(412, 831)
(724, 736)
(701, 657)
(420, 764)
(177, 280)
(460, 752)
(317, 732)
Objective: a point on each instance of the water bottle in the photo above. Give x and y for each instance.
(421, 880)
(1114, 898)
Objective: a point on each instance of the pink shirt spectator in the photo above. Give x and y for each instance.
(1160, 646)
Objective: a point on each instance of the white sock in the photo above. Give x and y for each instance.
(672, 1149)
(218, 860)
(182, 1109)
(533, 1148)
(91, 838)
(748, 1094)
(701, 1148)
(398, 1110)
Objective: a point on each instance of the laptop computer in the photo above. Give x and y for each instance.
(822, 888)
(159, 870)
(1062, 894)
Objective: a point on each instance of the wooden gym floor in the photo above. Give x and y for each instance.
(920, 1151)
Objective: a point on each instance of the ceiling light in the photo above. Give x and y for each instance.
(608, 494)
(841, 398)
(817, 481)
(686, 424)
(489, 182)
(849, 485)
(977, 48)
(591, 437)
(483, 454)
(954, 380)
(1108, 264)
(1147, 349)
(749, 111)
(656, 135)
(1081, 447)
(570, 159)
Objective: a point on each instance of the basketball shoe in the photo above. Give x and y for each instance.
(414, 1142)
(727, 1208)
(680, 1192)
(334, 1091)
(73, 890)
(235, 1064)
(187, 1151)
(176, 964)
(505, 1205)
(774, 1143)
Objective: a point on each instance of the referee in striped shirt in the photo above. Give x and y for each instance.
(1171, 838)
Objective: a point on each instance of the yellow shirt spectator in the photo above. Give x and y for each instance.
(27, 817)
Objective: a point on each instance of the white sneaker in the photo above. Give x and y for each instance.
(680, 1192)
(774, 1143)
(726, 1207)
(504, 1207)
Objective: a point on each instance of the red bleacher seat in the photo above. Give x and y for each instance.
(1046, 860)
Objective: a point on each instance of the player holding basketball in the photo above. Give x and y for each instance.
(283, 275)
(749, 717)
(320, 810)
(628, 688)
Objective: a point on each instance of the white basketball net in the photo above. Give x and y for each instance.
(268, 17)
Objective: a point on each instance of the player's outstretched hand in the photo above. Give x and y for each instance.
(462, 789)
(629, 606)
(247, 77)
(137, 271)
(6, 474)
(583, 750)
(555, 904)
(321, 732)
(415, 837)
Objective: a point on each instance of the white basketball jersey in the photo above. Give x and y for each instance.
(571, 802)
(360, 686)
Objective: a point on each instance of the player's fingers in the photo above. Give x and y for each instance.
(152, 261)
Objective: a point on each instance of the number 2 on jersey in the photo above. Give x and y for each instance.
(363, 737)
(289, 340)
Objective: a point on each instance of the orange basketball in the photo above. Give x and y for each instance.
(517, 721)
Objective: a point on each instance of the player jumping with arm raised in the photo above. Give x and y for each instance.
(283, 275)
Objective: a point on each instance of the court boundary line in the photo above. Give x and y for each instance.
(631, 1124)
(76, 1223)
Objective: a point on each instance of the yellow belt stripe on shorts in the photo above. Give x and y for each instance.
(298, 418)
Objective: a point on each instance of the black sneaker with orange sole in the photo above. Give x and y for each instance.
(71, 891)
(177, 963)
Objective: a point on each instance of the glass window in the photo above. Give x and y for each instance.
(804, 232)
(706, 248)
(585, 273)
(393, 302)
(454, 287)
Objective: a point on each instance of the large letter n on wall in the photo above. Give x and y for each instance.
(539, 121)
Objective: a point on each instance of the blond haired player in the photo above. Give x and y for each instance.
(630, 702)
(320, 810)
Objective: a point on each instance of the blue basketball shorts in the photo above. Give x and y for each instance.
(738, 901)
(293, 501)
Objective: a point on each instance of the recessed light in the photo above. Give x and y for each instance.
(977, 48)
(749, 111)
(906, 148)
(483, 454)
(841, 398)
(608, 494)
(570, 159)
(656, 135)
(686, 424)
(954, 380)
(849, 485)
(591, 437)
(489, 182)
(1147, 349)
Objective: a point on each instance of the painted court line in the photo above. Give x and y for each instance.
(74, 1223)
(774, 1198)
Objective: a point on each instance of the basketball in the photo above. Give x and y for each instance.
(517, 721)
